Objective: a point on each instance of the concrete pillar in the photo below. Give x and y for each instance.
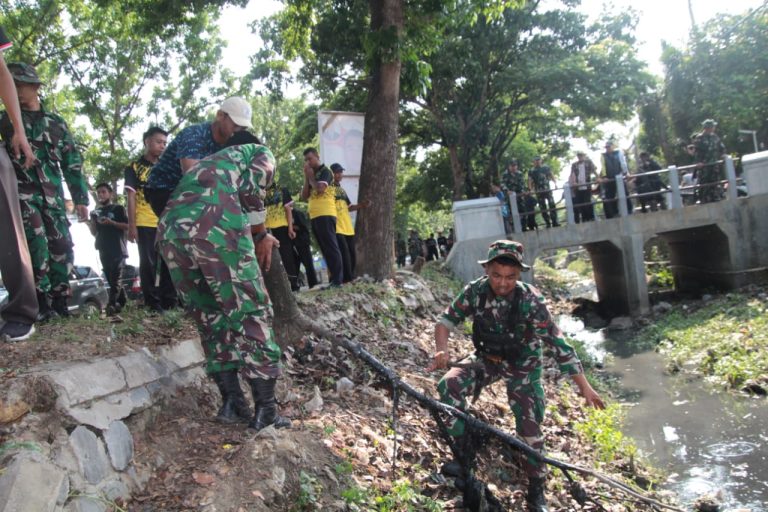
(756, 172)
(621, 196)
(569, 217)
(674, 185)
(478, 218)
(516, 224)
(634, 268)
(730, 175)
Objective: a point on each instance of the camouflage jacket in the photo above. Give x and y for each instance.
(534, 328)
(540, 177)
(220, 197)
(58, 159)
(709, 147)
(513, 182)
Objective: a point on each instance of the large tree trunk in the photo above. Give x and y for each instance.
(289, 323)
(375, 246)
(457, 171)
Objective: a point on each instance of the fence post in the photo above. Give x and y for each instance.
(730, 174)
(569, 216)
(512, 198)
(674, 184)
(621, 196)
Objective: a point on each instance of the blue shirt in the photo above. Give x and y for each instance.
(195, 142)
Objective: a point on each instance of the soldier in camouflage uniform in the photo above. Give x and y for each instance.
(513, 180)
(205, 238)
(538, 181)
(40, 192)
(511, 329)
(708, 149)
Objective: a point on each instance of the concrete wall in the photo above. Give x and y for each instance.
(478, 218)
(756, 172)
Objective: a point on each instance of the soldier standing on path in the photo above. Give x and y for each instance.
(614, 164)
(513, 180)
(205, 237)
(42, 204)
(401, 250)
(538, 180)
(511, 329)
(708, 150)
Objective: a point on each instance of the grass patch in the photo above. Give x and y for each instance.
(726, 339)
(603, 431)
(403, 496)
(440, 277)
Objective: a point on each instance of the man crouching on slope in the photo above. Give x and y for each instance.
(511, 326)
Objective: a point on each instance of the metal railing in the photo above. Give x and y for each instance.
(674, 191)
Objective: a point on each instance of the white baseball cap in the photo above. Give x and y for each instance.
(238, 110)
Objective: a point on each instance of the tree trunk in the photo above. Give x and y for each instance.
(457, 171)
(375, 246)
(289, 322)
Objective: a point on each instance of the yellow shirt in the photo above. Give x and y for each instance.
(343, 219)
(276, 200)
(136, 174)
(323, 204)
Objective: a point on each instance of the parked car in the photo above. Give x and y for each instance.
(130, 281)
(89, 292)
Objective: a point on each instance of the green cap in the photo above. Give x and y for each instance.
(709, 123)
(24, 73)
(507, 249)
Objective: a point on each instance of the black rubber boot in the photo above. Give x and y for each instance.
(59, 305)
(234, 408)
(535, 498)
(44, 311)
(452, 468)
(266, 405)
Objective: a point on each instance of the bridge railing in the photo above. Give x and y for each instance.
(679, 195)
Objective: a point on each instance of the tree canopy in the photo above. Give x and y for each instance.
(720, 74)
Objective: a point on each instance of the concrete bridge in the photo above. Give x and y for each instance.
(722, 244)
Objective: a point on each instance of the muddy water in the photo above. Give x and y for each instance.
(709, 442)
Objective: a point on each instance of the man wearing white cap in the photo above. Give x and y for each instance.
(191, 145)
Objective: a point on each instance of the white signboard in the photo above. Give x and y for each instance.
(341, 142)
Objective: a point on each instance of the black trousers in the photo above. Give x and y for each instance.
(155, 297)
(583, 209)
(303, 256)
(286, 254)
(15, 262)
(113, 267)
(324, 228)
(348, 258)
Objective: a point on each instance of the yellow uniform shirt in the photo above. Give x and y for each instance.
(323, 204)
(343, 220)
(136, 174)
(276, 201)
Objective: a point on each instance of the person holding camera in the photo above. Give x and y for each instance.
(109, 224)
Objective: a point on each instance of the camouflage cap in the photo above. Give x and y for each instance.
(507, 249)
(24, 73)
(709, 123)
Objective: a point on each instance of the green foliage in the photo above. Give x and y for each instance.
(725, 339)
(309, 492)
(603, 430)
(404, 496)
(12, 446)
(581, 266)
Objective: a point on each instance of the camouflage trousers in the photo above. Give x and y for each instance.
(525, 395)
(50, 244)
(223, 291)
(709, 188)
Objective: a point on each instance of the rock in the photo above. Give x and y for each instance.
(662, 307)
(706, 297)
(90, 453)
(114, 489)
(621, 323)
(753, 387)
(316, 403)
(119, 445)
(85, 504)
(31, 483)
(344, 385)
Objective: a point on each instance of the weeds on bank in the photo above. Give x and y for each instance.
(404, 496)
(602, 429)
(440, 277)
(725, 339)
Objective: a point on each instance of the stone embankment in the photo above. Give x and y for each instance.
(79, 408)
